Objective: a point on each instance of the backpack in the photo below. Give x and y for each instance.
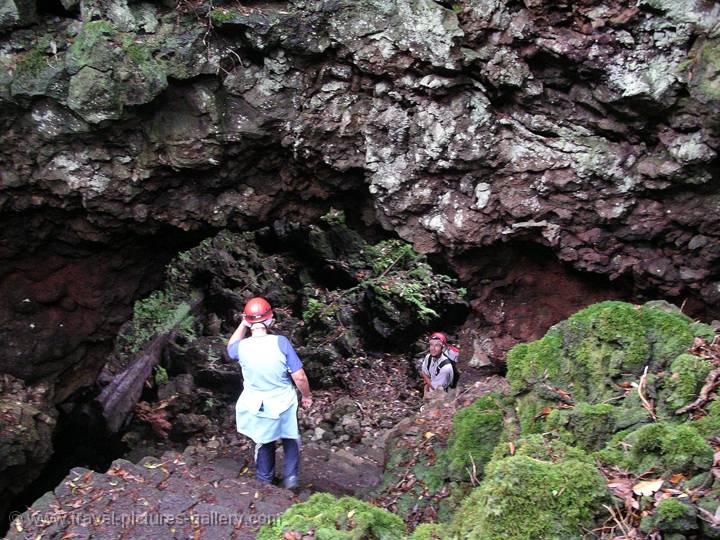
(451, 354)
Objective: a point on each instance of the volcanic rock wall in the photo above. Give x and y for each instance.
(471, 128)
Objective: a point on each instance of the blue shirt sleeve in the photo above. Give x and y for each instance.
(232, 349)
(293, 362)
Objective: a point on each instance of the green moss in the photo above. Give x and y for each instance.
(475, 432)
(587, 357)
(702, 330)
(523, 498)
(92, 46)
(588, 426)
(670, 516)
(709, 426)
(543, 447)
(220, 16)
(669, 335)
(346, 518)
(670, 509)
(664, 446)
(687, 378)
(604, 341)
(709, 77)
(140, 56)
(528, 363)
(31, 64)
(429, 531)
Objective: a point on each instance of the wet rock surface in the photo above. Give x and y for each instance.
(27, 422)
(176, 496)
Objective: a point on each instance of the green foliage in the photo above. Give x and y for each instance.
(315, 309)
(346, 518)
(523, 498)
(161, 375)
(157, 314)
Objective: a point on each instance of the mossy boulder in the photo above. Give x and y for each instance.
(524, 498)
(671, 516)
(662, 446)
(476, 431)
(346, 518)
(430, 531)
(582, 376)
(589, 426)
(709, 425)
(94, 95)
(597, 347)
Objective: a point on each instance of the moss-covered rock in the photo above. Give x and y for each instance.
(475, 432)
(36, 71)
(590, 426)
(663, 446)
(523, 498)
(671, 516)
(430, 531)
(597, 347)
(346, 518)
(709, 425)
(581, 378)
(687, 378)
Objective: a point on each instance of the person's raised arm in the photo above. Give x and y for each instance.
(239, 333)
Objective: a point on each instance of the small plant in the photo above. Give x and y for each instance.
(315, 308)
(334, 217)
(157, 314)
(210, 404)
(160, 375)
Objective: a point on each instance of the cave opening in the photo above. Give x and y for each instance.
(54, 7)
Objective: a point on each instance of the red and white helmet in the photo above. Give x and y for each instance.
(257, 310)
(439, 336)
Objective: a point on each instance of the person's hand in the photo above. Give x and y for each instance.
(307, 402)
(244, 323)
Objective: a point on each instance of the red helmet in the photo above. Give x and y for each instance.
(257, 310)
(440, 336)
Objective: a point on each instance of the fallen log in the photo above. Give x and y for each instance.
(118, 399)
